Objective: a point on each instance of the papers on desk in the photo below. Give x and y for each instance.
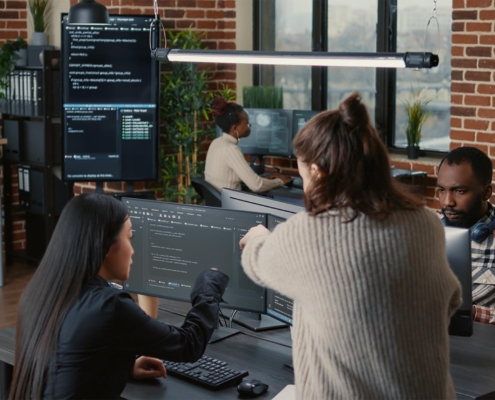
(287, 393)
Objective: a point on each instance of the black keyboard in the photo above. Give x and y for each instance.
(207, 371)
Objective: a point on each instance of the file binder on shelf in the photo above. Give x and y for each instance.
(23, 172)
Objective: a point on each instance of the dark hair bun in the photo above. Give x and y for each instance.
(219, 106)
(354, 112)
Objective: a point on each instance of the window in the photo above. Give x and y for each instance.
(292, 31)
(343, 25)
(352, 28)
(411, 27)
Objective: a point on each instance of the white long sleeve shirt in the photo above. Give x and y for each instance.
(226, 167)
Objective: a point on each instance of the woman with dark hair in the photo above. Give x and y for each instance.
(225, 165)
(78, 337)
(367, 269)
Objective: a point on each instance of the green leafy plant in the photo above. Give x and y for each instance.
(185, 113)
(7, 57)
(263, 97)
(39, 10)
(417, 114)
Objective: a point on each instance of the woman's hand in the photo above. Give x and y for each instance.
(148, 367)
(253, 232)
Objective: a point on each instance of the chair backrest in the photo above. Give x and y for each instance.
(208, 192)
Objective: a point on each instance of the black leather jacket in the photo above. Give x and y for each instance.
(105, 330)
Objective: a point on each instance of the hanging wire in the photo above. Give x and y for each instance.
(156, 24)
(434, 19)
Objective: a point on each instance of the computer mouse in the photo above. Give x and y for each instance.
(252, 388)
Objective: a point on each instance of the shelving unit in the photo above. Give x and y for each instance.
(31, 123)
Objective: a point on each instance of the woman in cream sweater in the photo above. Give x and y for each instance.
(225, 164)
(367, 269)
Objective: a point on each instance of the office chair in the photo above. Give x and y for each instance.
(208, 193)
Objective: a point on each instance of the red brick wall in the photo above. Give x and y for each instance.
(13, 23)
(13, 20)
(214, 17)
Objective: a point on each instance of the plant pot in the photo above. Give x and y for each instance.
(39, 38)
(22, 60)
(412, 152)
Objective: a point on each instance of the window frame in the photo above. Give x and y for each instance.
(386, 78)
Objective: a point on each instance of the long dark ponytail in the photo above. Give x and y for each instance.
(88, 226)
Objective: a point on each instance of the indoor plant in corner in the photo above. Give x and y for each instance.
(39, 10)
(417, 114)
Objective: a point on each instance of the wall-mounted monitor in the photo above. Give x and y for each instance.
(110, 95)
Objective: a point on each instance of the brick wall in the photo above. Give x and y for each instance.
(13, 23)
(13, 20)
(214, 17)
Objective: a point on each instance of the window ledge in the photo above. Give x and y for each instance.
(426, 164)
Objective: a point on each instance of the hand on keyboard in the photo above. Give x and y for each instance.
(285, 179)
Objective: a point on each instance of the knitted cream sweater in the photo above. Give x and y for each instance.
(226, 167)
(372, 303)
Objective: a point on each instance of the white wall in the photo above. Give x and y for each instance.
(56, 8)
(244, 41)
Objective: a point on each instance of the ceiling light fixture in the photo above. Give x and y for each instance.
(88, 12)
(417, 60)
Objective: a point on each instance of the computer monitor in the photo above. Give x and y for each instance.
(458, 246)
(110, 93)
(299, 119)
(174, 242)
(272, 131)
(278, 306)
(243, 201)
(277, 212)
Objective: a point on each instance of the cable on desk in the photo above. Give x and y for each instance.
(266, 340)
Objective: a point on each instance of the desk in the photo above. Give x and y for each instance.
(287, 194)
(472, 362)
(263, 359)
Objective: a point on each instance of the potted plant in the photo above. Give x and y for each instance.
(185, 113)
(263, 97)
(8, 56)
(39, 10)
(417, 114)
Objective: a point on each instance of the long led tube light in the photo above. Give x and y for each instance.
(376, 60)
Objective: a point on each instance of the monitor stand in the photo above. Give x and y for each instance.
(222, 332)
(257, 322)
(257, 164)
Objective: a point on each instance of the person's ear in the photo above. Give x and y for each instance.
(315, 171)
(487, 193)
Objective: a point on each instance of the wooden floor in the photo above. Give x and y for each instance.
(16, 277)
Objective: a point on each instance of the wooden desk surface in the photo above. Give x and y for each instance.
(472, 362)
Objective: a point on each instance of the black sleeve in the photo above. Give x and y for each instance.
(138, 333)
